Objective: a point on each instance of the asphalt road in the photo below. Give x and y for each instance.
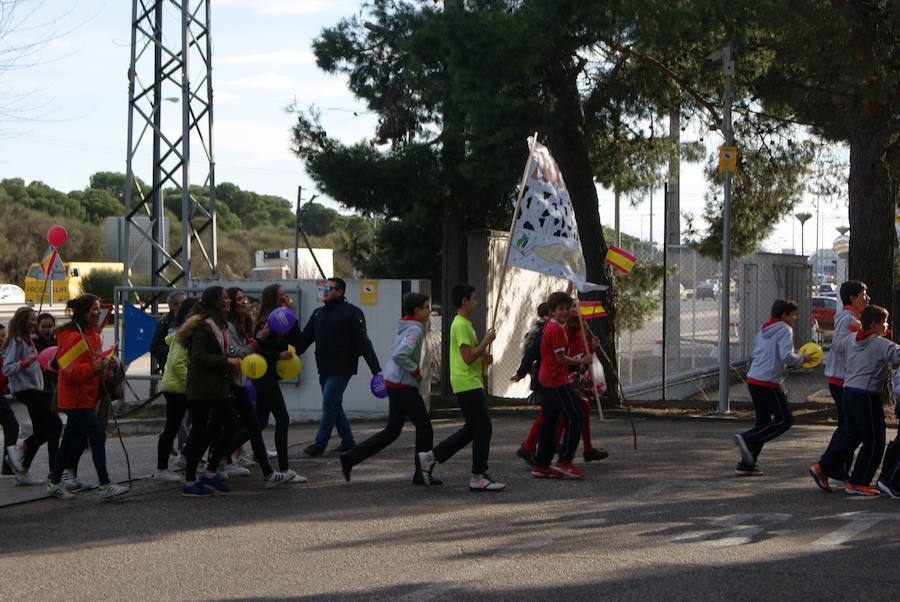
(666, 521)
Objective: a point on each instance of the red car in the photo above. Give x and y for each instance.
(823, 310)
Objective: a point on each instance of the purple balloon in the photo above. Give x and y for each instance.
(377, 386)
(281, 319)
(251, 390)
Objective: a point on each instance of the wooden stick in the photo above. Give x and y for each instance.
(587, 351)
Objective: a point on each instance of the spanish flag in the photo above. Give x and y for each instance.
(48, 261)
(65, 357)
(591, 309)
(619, 259)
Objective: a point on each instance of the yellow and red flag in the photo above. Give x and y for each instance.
(619, 259)
(591, 309)
(48, 261)
(65, 357)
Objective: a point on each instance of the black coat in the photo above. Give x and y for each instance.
(338, 329)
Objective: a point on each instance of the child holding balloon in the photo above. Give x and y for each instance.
(26, 381)
(402, 377)
(773, 349)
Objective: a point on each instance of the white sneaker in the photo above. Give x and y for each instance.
(179, 463)
(166, 477)
(279, 478)
(71, 482)
(233, 470)
(15, 456)
(27, 479)
(220, 470)
(294, 477)
(58, 491)
(483, 482)
(272, 454)
(246, 461)
(426, 465)
(111, 490)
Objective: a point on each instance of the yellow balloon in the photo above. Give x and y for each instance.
(289, 368)
(253, 365)
(815, 353)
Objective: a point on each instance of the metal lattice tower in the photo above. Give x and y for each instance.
(171, 52)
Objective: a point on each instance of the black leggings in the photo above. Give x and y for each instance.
(250, 430)
(176, 407)
(476, 430)
(208, 417)
(269, 400)
(46, 423)
(10, 430)
(404, 403)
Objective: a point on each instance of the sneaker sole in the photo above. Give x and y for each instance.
(197, 494)
(743, 473)
(860, 493)
(485, 489)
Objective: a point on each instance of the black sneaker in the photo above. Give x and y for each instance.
(313, 450)
(526, 455)
(346, 466)
(343, 447)
(742, 470)
(595, 454)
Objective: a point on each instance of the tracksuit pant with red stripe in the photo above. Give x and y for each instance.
(531, 440)
(556, 400)
(773, 417)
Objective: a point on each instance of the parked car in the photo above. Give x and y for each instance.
(707, 289)
(823, 310)
(827, 289)
(11, 293)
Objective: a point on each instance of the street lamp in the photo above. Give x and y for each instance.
(802, 218)
(841, 248)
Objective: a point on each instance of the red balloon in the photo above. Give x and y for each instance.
(46, 356)
(57, 236)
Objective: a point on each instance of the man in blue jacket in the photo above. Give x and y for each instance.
(338, 329)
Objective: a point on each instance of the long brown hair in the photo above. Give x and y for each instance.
(268, 302)
(18, 326)
(78, 309)
(241, 319)
(206, 307)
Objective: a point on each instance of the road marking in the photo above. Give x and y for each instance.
(732, 529)
(858, 522)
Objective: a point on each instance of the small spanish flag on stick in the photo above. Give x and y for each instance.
(48, 261)
(591, 309)
(620, 260)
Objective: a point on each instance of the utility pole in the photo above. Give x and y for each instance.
(297, 235)
(727, 164)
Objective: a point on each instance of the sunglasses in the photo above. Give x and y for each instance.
(325, 288)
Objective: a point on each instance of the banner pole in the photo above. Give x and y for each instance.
(512, 225)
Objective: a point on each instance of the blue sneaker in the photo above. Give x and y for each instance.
(215, 481)
(195, 490)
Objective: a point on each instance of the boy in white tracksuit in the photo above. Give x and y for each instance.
(855, 296)
(773, 349)
(402, 376)
(867, 360)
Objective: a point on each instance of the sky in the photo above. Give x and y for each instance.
(64, 105)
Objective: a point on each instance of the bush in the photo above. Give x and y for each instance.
(102, 283)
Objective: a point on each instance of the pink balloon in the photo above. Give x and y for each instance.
(57, 236)
(46, 356)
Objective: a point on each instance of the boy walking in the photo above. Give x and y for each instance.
(402, 377)
(558, 395)
(867, 359)
(468, 357)
(773, 349)
(855, 296)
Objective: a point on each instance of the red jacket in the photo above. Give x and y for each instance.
(78, 386)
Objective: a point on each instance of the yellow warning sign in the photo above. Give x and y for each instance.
(368, 292)
(727, 158)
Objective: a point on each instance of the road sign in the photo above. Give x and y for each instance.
(106, 310)
(727, 158)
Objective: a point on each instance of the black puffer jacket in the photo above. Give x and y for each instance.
(338, 329)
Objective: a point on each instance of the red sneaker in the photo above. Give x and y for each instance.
(542, 472)
(567, 471)
(821, 479)
(851, 489)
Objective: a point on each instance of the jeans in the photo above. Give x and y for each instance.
(333, 411)
(404, 403)
(176, 407)
(46, 423)
(81, 423)
(476, 430)
(10, 430)
(269, 400)
(773, 418)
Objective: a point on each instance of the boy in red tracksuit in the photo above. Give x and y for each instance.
(558, 397)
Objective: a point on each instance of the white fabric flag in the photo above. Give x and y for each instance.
(544, 235)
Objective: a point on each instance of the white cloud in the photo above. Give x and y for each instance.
(259, 81)
(288, 7)
(269, 58)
